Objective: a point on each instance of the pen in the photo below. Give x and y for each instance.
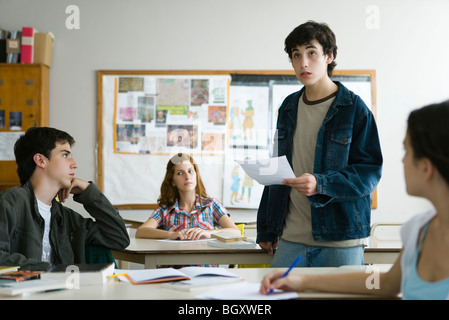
(118, 275)
(294, 264)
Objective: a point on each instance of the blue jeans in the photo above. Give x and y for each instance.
(313, 256)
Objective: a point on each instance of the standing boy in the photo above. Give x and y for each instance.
(37, 231)
(330, 138)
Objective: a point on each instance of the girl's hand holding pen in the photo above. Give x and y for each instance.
(278, 277)
(274, 280)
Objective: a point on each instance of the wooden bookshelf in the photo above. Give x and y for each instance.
(24, 103)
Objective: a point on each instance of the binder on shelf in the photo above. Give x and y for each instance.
(43, 48)
(3, 39)
(13, 45)
(27, 48)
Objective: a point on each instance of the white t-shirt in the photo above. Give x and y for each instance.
(45, 212)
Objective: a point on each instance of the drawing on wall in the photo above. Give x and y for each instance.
(235, 129)
(199, 92)
(212, 141)
(145, 108)
(217, 115)
(249, 105)
(248, 123)
(240, 190)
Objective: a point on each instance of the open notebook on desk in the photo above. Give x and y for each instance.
(171, 274)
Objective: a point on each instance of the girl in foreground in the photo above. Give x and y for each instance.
(422, 269)
(185, 212)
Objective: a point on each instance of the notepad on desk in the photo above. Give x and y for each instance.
(171, 274)
(227, 236)
(244, 291)
(203, 282)
(13, 288)
(4, 269)
(20, 275)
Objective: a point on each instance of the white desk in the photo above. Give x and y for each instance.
(116, 290)
(152, 253)
(378, 252)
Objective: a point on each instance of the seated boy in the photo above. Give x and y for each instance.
(37, 231)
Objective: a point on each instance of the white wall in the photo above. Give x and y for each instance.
(409, 50)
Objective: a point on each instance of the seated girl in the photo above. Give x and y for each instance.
(185, 212)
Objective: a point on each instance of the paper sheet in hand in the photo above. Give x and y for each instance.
(268, 171)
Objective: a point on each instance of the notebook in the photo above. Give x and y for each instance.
(171, 274)
(13, 288)
(89, 274)
(19, 276)
(4, 269)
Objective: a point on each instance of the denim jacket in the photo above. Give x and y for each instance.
(347, 166)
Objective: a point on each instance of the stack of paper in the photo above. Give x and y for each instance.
(244, 291)
(13, 288)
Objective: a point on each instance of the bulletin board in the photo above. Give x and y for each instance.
(147, 116)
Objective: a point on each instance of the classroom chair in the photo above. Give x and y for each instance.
(98, 254)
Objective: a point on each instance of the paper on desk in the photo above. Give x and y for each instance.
(268, 171)
(186, 241)
(244, 291)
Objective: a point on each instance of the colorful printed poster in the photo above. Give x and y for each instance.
(167, 114)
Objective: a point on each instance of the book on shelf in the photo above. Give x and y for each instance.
(171, 274)
(89, 274)
(27, 47)
(13, 45)
(4, 35)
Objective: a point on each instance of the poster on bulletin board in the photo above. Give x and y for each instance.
(167, 114)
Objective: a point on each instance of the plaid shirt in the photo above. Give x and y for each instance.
(205, 214)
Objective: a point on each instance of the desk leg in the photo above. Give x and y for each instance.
(150, 261)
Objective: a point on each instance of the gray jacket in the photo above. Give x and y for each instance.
(22, 228)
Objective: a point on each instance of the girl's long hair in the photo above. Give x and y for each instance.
(429, 135)
(169, 193)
